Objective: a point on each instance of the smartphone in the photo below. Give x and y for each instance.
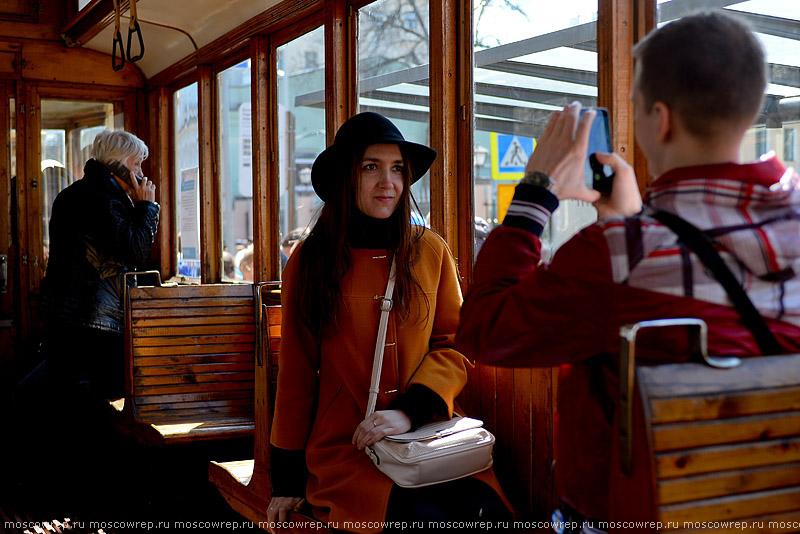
(597, 175)
(123, 172)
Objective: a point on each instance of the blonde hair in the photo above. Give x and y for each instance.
(118, 145)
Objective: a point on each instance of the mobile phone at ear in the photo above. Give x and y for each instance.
(598, 176)
(123, 172)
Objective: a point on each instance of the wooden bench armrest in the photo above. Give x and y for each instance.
(628, 335)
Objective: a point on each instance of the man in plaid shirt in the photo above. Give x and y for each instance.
(698, 86)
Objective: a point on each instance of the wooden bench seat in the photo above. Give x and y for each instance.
(189, 363)
(711, 446)
(245, 484)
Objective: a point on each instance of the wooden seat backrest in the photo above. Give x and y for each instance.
(190, 352)
(715, 445)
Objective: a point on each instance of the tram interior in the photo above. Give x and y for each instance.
(235, 100)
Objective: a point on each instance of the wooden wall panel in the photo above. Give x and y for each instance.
(465, 179)
(46, 61)
(210, 215)
(160, 170)
(615, 25)
(444, 114)
(340, 72)
(266, 261)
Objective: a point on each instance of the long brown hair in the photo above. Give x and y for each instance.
(325, 256)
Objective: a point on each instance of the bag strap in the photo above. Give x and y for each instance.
(380, 342)
(701, 245)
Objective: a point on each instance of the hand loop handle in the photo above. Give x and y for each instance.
(117, 40)
(121, 64)
(134, 28)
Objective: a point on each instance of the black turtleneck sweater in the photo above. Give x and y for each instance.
(420, 404)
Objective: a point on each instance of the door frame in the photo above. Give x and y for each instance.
(30, 267)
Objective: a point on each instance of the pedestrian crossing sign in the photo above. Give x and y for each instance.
(510, 154)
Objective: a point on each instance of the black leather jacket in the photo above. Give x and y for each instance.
(96, 235)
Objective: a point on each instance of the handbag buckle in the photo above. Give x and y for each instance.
(386, 305)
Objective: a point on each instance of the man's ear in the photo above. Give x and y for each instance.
(665, 121)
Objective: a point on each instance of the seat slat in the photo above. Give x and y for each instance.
(719, 432)
(200, 368)
(202, 396)
(192, 359)
(165, 341)
(727, 483)
(192, 302)
(696, 379)
(172, 389)
(192, 330)
(673, 410)
(193, 378)
(722, 458)
(192, 291)
(191, 350)
(733, 507)
(142, 315)
(216, 406)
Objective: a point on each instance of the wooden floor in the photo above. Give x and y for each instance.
(64, 473)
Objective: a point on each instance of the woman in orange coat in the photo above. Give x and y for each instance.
(331, 296)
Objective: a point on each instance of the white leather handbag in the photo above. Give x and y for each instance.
(434, 453)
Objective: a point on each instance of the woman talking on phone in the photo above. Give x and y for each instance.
(101, 227)
(333, 285)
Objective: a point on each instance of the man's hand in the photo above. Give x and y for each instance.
(279, 508)
(379, 425)
(561, 153)
(625, 198)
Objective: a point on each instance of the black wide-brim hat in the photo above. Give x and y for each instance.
(355, 135)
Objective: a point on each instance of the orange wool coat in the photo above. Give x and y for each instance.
(319, 412)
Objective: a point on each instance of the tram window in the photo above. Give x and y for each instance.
(790, 146)
(301, 131)
(235, 170)
(393, 73)
(68, 131)
(524, 71)
(777, 25)
(187, 182)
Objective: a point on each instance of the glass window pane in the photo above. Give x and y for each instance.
(393, 50)
(235, 170)
(777, 25)
(68, 131)
(301, 132)
(524, 71)
(187, 178)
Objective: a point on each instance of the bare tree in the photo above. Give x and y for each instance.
(396, 32)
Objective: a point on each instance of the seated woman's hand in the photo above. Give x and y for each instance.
(279, 508)
(379, 425)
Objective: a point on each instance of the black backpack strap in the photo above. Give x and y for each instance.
(701, 245)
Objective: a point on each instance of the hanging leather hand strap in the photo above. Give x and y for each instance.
(701, 245)
(117, 41)
(134, 28)
(377, 362)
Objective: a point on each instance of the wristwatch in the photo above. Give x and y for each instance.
(540, 179)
